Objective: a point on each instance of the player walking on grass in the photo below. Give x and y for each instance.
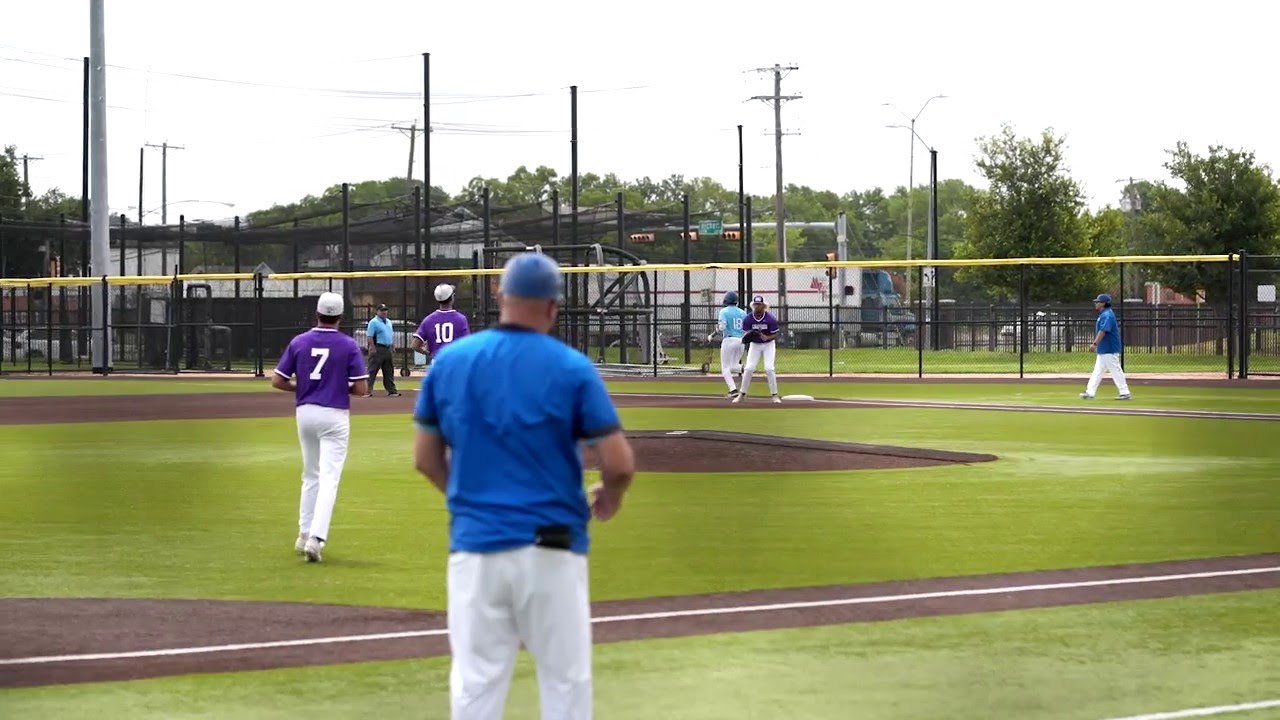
(729, 325)
(1108, 345)
(761, 333)
(500, 418)
(329, 370)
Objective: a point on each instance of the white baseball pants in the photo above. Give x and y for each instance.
(1110, 363)
(730, 358)
(323, 433)
(767, 351)
(531, 595)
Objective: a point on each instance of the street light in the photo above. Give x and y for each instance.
(911, 174)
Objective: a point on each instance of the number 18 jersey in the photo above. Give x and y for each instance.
(325, 362)
(441, 328)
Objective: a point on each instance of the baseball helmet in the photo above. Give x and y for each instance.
(1103, 298)
(731, 298)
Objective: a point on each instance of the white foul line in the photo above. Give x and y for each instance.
(732, 610)
(1205, 711)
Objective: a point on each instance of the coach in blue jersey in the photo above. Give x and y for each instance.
(512, 405)
(1107, 343)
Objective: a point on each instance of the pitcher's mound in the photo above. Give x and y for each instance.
(714, 451)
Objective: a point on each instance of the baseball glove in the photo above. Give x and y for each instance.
(753, 336)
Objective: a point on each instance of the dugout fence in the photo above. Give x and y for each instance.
(633, 317)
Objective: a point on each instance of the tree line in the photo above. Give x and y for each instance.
(1218, 201)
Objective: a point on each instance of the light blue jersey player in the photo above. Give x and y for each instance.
(729, 325)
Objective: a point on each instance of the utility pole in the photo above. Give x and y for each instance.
(413, 136)
(776, 99)
(26, 181)
(165, 147)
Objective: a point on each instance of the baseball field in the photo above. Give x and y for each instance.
(978, 549)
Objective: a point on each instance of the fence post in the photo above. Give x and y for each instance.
(920, 330)
(106, 327)
(258, 293)
(1120, 317)
(235, 251)
(685, 310)
(1022, 320)
(27, 296)
(123, 244)
(417, 249)
(64, 334)
(4, 267)
(1231, 317)
(1244, 315)
(656, 338)
(751, 249)
(555, 216)
(622, 293)
(831, 324)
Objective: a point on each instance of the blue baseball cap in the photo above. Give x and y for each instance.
(731, 298)
(532, 276)
(1103, 298)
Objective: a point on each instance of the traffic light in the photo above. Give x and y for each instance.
(641, 237)
(831, 272)
(733, 235)
(693, 236)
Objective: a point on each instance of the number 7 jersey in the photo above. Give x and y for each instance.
(441, 328)
(325, 363)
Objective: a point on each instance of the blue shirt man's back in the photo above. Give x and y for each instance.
(1110, 344)
(731, 320)
(512, 404)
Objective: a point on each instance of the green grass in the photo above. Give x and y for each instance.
(1058, 663)
(96, 385)
(1246, 397)
(208, 509)
(220, 497)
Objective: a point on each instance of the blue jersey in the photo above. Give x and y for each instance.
(1110, 344)
(512, 405)
(731, 318)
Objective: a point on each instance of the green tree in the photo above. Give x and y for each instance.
(1228, 202)
(368, 199)
(1032, 209)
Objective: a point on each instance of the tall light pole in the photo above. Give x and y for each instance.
(911, 172)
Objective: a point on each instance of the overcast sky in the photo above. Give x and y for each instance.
(307, 91)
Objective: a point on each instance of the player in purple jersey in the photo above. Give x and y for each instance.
(761, 329)
(329, 369)
(442, 326)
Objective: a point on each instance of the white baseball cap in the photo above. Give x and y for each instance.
(329, 304)
(443, 292)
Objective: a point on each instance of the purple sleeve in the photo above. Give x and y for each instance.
(422, 332)
(772, 323)
(463, 329)
(355, 364)
(288, 364)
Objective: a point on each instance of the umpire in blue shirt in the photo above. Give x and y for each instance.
(381, 338)
(501, 419)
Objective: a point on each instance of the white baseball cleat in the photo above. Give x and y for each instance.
(738, 398)
(313, 549)
(1125, 396)
(301, 545)
(776, 398)
(1086, 396)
